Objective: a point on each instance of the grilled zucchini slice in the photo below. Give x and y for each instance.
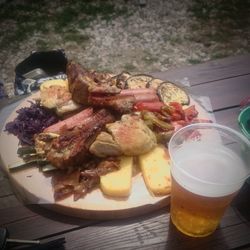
(121, 79)
(154, 83)
(169, 92)
(138, 81)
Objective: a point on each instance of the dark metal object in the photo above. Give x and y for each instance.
(6, 242)
(36, 66)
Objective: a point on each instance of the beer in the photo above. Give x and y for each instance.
(205, 178)
(196, 215)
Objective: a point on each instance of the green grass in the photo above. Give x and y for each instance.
(194, 61)
(129, 67)
(232, 12)
(58, 16)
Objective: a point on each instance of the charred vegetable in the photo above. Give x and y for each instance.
(121, 79)
(169, 92)
(154, 83)
(138, 81)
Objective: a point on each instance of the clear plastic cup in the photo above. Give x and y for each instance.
(209, 164)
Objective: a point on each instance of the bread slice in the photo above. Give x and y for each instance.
(118, 183)
(155, 167)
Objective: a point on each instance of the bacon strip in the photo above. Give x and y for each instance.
(70, 122)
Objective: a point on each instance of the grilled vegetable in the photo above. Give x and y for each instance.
(150, 106)
(48, 167)
(154, 83)
(121, 79)
(22, 164)
(26, 150)
(153, 121)
(138, 81)
(169, 92)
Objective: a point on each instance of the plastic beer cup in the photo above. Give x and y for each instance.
(209, 164)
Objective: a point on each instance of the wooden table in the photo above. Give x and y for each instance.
(226, 82)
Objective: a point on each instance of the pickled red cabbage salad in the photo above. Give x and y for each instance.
(30, 121)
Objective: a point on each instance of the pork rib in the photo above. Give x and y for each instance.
(72, 148)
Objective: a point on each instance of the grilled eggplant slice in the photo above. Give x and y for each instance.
(154, 83)
(121, 79)
(138, 81)
(169, 92)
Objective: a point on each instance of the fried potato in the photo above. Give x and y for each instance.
(155, 167)
(118, 183)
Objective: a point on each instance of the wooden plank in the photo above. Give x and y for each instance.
(224, 93)
(236, 237)
(8, 201)
(228, 117)
(149, 231)
(210, 71)
(20, 222)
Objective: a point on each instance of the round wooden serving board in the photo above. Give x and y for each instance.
(33, 187)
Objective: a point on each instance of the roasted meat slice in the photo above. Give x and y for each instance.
(79, 81)
(82, 82)
(121, 104)
(81, 181)
(71, 148)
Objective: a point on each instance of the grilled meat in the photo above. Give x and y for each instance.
(70, 122)
(71, 148)
(129, 136)
(121, 104)
(79, 81)
(82, 82)
(81, 181)
(132, 135)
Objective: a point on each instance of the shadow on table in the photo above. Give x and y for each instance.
(242, 201)
(177, 240)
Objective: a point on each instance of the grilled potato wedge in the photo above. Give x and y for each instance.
(155, 167)
(169, 92)
(118, 183)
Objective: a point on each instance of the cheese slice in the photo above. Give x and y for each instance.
(118, 183)
(155, 167)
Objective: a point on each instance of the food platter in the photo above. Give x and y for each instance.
(34, 187)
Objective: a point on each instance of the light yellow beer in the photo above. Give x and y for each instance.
(196, 215)
(207, 171)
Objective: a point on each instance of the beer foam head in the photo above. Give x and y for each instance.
(209, 159)
(208, 171)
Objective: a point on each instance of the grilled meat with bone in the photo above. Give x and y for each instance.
(130, 136)
(82, 82)
(71, 148)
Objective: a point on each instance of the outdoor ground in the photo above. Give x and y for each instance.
(124, 35)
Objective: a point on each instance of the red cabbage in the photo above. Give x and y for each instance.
(30, 121)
